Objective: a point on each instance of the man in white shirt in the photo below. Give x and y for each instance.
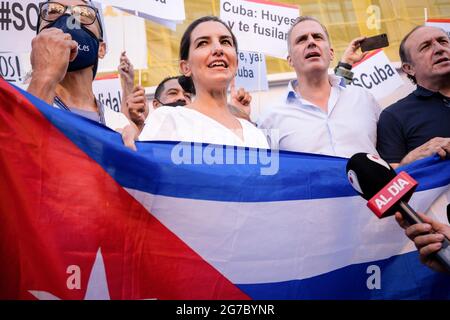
(319, 114)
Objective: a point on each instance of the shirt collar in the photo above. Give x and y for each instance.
(423, 92)
(292, 95)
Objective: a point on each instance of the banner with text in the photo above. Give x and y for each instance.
(252, 71)
(13, 67)
(439, 23)
(376, 74)
(108, 91)
(260, 26)
(18, 24)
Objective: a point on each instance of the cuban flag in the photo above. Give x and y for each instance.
(83, 217)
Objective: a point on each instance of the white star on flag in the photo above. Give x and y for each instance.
(97, 287)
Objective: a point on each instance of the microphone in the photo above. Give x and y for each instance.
(387, 192)
(448, 213)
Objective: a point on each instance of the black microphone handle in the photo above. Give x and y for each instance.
(448, 213)
(443, 255)
(408, 213)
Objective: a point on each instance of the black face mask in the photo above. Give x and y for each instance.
(178, 103)
(88, 44)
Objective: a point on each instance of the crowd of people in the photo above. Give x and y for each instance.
(319, 113)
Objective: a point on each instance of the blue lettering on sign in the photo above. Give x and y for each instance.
(374, 78)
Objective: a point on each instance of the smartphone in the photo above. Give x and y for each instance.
(375, 42)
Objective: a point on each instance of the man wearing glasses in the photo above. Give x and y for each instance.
(64, 60)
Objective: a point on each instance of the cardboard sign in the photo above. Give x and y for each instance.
(260, 26)
(108, 91)
(376, 74)
(252, 71)
(18, 25)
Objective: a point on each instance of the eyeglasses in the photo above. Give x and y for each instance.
(51, 11)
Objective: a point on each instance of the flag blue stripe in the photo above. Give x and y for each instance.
(301, 176)
(402, 277)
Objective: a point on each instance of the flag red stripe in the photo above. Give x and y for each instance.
(58, 207)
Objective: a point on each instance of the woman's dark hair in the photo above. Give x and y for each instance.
(186, 39)
(187, 84)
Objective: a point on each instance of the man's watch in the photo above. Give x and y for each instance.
(343, 70)
(345, 65)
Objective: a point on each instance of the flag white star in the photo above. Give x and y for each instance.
(97, 287)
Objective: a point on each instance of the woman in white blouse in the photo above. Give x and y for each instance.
(208, 54)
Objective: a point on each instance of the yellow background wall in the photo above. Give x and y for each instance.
(345, 20)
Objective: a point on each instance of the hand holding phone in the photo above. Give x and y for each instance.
(375, 42)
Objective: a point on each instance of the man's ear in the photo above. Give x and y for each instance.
(289, 60)
(408, 69)
(332, 54)
(102, 50)
(185, 69)
(156, 104)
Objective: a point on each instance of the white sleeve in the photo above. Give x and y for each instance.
(375, 105)
(266, 123)
(160, 125)
(115, 120)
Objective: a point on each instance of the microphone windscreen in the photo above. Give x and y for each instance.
(368, 174)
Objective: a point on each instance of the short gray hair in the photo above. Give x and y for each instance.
(405, 56)
(301, 19)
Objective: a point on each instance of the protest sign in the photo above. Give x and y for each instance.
(172, 10)
(108, 91)
(260, 26)
(439, 23)
(376, 74)
(126, 33)
(252, 71)
(18, 24)
(12, 67)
